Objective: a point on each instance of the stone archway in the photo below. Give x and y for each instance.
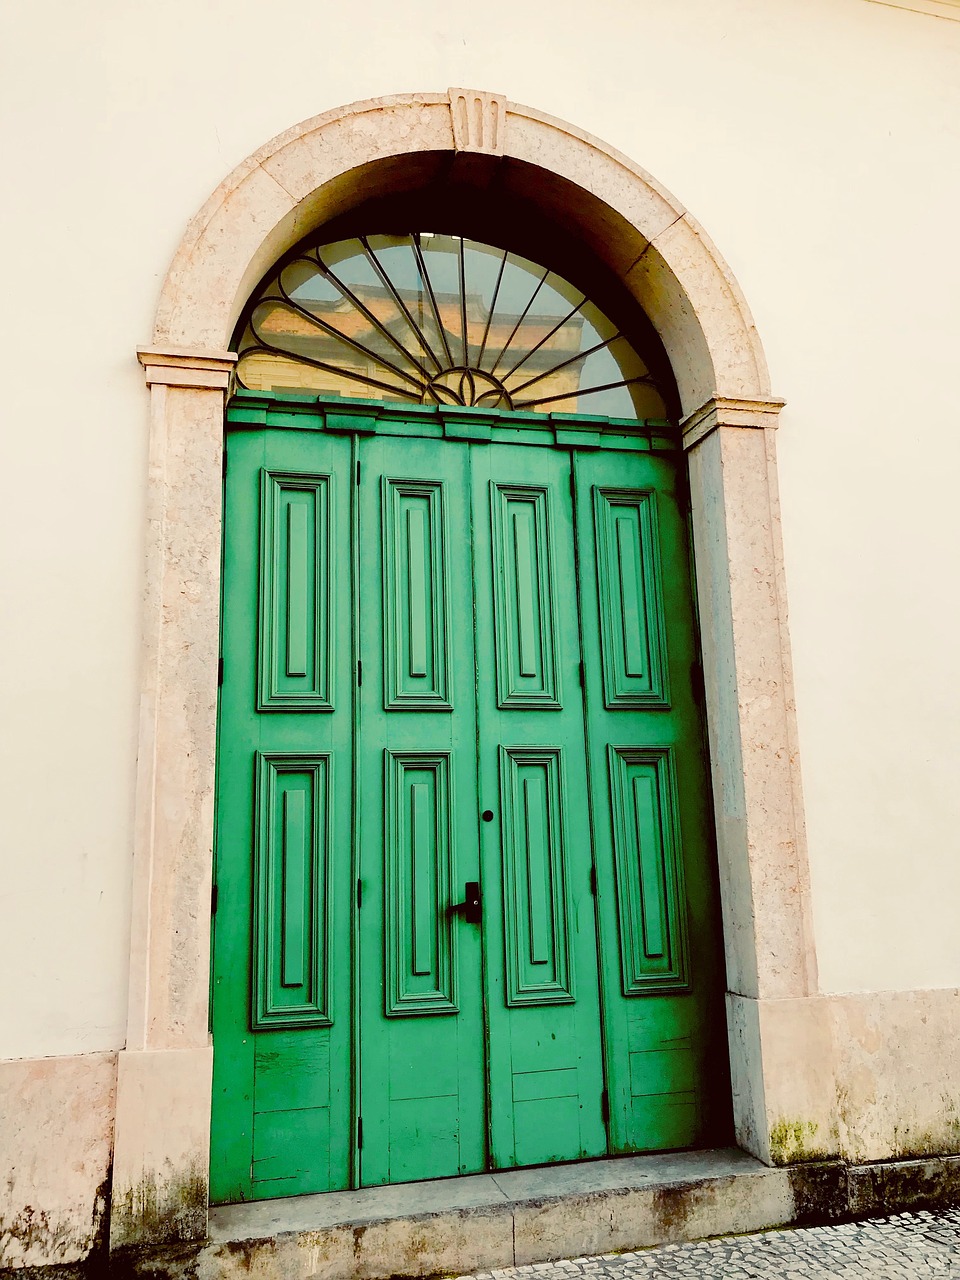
(293, 184)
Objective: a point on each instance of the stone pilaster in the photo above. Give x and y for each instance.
(161, 1154)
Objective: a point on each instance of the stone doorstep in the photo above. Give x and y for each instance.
(454, 1226)
(518, 1215)
(457, 1225)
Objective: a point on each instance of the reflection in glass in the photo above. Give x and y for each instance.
(435, 319)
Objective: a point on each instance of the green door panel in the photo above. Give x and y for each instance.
(457, 655)
(421, 1016)
(296, 639)
(281, 971)
(546, 1066)
(665, 1043)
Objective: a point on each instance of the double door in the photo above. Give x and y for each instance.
(465, 904)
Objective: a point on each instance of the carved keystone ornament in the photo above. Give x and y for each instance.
(478, 120)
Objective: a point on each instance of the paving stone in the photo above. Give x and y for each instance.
(905, 1246)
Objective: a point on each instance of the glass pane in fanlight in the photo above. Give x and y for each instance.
(518, 285)
(647, 402)
(308, 286)
(548, 334)
(400, 263)
(613, 402)
(396, 261)
(596, 327)
(276, 324)
(482, 265)
(556, 368)
(585, 384)
(368, 313)
(441, 259)
(602, 367)
(395, 257)
(348, 262)
(346, 371)
(265, 371)
(318, 295)
(637, 400)
(592, 380)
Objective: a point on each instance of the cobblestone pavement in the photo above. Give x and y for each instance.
(909, 1246)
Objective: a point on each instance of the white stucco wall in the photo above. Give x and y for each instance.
(816, 140)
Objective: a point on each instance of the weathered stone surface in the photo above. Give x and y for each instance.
(907, 1247)
(162, 1148)
(904, 1184)
(54, 1193)
(898, 1073)
(493, 1220)
(667, 1205)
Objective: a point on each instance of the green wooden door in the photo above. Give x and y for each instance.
(457, 668)
(546, 1071)
(649, 791)
(421, 1041)
(281, 973)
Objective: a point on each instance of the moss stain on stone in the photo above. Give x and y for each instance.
(672, 1207)
(794, 1141)
(156, 1212)
(31, 1231)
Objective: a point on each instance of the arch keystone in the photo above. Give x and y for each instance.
(479, 119)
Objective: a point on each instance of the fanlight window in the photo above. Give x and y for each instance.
(437, 319)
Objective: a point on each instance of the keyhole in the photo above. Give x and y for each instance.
(487, 815)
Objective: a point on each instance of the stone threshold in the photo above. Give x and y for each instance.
(486, 1221)
(453, 1226)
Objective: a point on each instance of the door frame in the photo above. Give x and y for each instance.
(331, 163)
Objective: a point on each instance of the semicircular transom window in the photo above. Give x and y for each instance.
(438, 319)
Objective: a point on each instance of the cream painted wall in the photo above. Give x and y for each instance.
(816, 140)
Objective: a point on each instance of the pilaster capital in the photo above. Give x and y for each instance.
(722, 411)
(183, 367)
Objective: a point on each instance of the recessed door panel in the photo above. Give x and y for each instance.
(630, 598)
(537, 924)
(416, 630)
(418, 872)
(296, 631)
(291, 871)
(648, 871)
(523, 579)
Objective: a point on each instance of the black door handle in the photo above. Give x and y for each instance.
(470, 908)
